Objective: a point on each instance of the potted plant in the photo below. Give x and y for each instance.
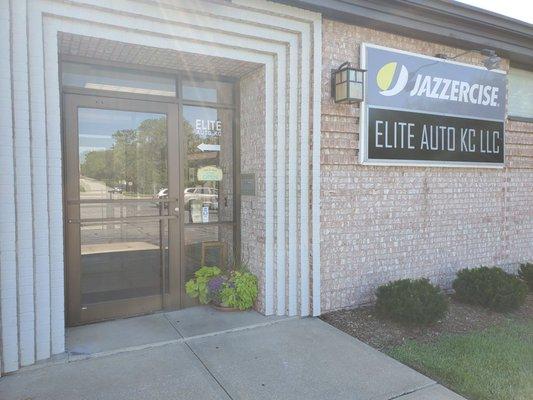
(231, 290)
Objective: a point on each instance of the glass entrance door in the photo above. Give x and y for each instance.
(208, 200)
(122, 207)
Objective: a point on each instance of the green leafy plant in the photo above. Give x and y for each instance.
(197, 286)
(490, 287)
(240, 291)
(526, 274)
(411, 302)
(236, 288)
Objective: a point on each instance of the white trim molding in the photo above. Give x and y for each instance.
(285, 40)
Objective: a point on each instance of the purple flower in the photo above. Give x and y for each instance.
(215, 284)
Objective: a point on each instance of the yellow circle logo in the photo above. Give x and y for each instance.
(385, 79)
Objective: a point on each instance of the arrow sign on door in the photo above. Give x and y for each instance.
(208, 147)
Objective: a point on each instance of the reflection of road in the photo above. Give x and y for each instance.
(131, 231)
(91, 187)
(120, 210)
(126, 232)
(199, 233)
(146, 231)
(94, 189)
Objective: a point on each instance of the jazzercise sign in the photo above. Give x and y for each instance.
(423, 110)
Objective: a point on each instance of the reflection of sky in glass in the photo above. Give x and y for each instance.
(192, 113)
(199, 93)
(96, 127)
(108, 78)
(520, 93)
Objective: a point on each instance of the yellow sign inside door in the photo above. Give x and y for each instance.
(209, 173)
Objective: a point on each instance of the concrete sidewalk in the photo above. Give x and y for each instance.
(283, 359)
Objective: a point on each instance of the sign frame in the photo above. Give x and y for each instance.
(363, 118)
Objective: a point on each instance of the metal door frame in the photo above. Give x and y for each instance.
(124, 307)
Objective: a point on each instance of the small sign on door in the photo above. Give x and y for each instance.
(205, 214)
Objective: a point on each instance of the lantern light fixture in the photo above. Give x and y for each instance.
(347, 84)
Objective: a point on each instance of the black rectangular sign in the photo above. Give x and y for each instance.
(411, 136)
(427, 111)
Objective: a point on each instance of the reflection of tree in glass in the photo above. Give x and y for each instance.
(137, 160)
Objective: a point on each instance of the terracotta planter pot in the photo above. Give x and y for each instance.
(223, 308)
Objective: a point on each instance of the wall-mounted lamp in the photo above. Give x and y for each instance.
(347, 84)
(492, 61)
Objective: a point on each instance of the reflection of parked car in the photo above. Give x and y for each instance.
(205, 195)
(116, 189)
(162, 194)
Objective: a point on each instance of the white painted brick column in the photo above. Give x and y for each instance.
(8, 262)
(40, 188)
(23, 183)
(55, 194)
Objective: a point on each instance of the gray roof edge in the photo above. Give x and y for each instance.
(445, 21)
(459, 9)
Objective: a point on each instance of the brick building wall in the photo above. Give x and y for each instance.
(384, 223)
(252, 137)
